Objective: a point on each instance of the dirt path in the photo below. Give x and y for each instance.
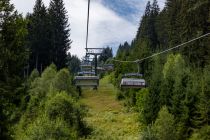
(107, 116)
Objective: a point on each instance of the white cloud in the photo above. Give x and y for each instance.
(106, 27)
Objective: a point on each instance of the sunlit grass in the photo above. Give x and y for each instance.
(107, 116)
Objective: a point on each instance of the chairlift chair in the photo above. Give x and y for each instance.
(100, 69)
(86, 65)
(128, 82)
(86, 81)
(86, 73)
(108, 67)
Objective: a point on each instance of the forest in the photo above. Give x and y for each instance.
(38, 98)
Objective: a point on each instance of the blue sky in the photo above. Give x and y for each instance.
(129, 9)
(111, 21)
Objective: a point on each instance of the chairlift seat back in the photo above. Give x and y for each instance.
(132, 83)
(86, 81)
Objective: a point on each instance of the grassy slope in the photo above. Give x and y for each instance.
(107, 116)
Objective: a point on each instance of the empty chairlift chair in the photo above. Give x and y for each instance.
(127, 82)
(86, 81)
(109, 67)
(86, 67)
(86, 73)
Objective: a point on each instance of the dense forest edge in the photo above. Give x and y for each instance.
(38, 99)
(176, 102)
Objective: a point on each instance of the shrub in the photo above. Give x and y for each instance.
(52, 112)
(40, 86)
(62, 82)
(64, 106)
(44, 128)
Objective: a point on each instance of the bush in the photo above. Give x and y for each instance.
(44, 128)
(62, 82)
(40, 86)
(64, 106)
(52, 112)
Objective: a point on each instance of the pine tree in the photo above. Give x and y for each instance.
(38, 37)
(59, 33)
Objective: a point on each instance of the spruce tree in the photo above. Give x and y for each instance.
(38, 37)
(59, 33)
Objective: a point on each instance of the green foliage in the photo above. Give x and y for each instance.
(123, 51)
(60, 42)
(63, 106)
(151, 104)
(141, 99)
(204, 105)
(164, 126)
(147, 106)
(52, 111)
(33, 76)
(44, 128)
(202, 112)
(62, 82)
(148, 134)
(73, 63)
(41, 86)
(201, 134)
(38, 37)
(106, 54)
(13, 57)
(48, 37)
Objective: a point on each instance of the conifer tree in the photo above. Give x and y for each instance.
(59, 33)
(198, 52)
(38, 37)
(143, 26)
